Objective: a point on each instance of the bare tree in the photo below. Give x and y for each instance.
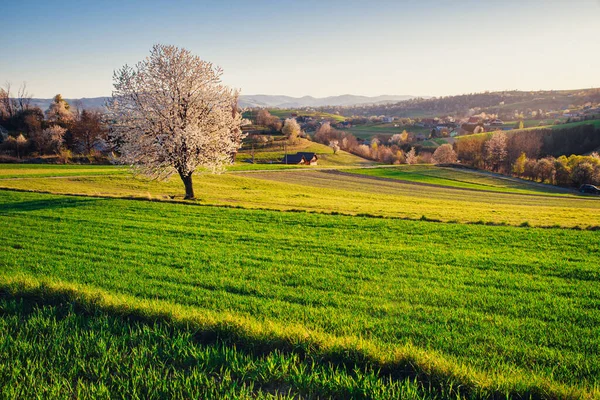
(23, 98)
(78, 104)
(7, 106)
(88, 130)
(265, 118)
(171, 113)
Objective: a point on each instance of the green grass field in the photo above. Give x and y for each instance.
(275, 154)
(287, 113)
(368, 131)
(457, 178)
(496, 308)
(107, 295)
(495, 201)
(595, 123)
(84, 354)
(8, 171)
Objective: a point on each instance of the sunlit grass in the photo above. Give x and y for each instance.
(504, 307)
(466, 179)
(265, 156)
(320, 191)
(61, 349)
(8, 171)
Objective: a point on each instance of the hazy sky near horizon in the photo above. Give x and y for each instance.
(318, 48)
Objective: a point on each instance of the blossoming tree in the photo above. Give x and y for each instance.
(171, 113)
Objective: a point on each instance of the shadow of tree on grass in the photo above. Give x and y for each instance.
(45, 204)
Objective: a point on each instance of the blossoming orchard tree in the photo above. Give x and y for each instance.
(171, 113)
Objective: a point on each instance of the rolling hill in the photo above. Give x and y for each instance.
(263, 100)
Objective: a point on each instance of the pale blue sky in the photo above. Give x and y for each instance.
(319, 48)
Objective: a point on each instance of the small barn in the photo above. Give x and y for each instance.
(301, 159)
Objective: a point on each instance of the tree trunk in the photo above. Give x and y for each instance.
(189, 189)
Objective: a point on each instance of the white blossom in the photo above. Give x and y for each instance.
(171, 113)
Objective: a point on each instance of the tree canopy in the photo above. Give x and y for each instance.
(171, 113)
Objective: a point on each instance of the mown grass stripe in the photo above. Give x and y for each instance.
(498, 299)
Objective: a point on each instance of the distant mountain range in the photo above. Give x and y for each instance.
(263, 100)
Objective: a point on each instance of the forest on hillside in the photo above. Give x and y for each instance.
(505, 104)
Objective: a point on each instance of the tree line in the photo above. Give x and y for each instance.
(397, 149)
(61, 130)
(543, 155)
(508, 102)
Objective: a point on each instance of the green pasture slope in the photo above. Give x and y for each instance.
(59, 349)
(466, 179)
(287, 113)
(494, 200)
(8, 171)
(368, 131)
(232, 301)
(269, 157)
(595, 123)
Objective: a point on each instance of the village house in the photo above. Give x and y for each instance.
(343, 125)
(300, 159)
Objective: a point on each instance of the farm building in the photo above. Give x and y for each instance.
(301, 159)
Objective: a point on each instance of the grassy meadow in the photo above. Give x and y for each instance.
(493, 200)
(456, 178)
(505, 302)
(8, 171)
(133, 357)
(230, 296)
(369, 131)
(287, 113)
(270, 156)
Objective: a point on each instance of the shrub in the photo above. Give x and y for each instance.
(585, 172)
(65, 156)
(49, 140)
(444, 154)
(411, 156)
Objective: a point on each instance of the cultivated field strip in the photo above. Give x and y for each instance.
(466, 179)
(12, 171)
(324, 192)
(405, 199)
(500, 299)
